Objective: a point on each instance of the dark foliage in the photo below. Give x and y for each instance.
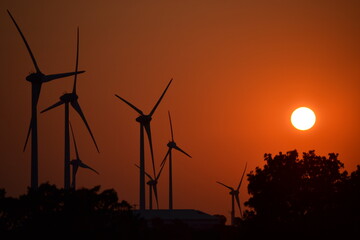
(52, 212)
(290, 196)
(312, 195)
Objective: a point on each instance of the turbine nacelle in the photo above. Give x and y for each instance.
(69, 97)
(75, 162)
(234, 192)
(152, 182)
(143, 119)
(171, 144)
(35, 77)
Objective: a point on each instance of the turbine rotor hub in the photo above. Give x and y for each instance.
(171, 144)
(35, 77)
(152, 182)
(144, 119)
(233, 192)
(69, 97)
(74, 162)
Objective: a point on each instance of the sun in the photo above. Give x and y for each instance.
(303, 118)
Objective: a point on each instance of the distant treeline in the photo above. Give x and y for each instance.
(50, 212)
(289, 196)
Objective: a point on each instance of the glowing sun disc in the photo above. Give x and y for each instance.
(303, 118)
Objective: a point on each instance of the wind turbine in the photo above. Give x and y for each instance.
(76, 163)
(144, 121)
(153, 187)
(171, 145)
(36, 79)
(65, 99)
(235, 195)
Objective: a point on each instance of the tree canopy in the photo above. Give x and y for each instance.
(289, 195)
(52, 212)
(309, 194)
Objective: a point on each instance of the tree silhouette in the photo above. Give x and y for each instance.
(288, 195)
(305, 195)
(52, 212)
(10, 212)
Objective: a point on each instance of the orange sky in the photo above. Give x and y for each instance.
(239, 67)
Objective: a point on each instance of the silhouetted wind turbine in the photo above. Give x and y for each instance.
(153, 187)
(36, 79)
(235, 195)
(76, 163)
(65, 99)
(144, 121)
(171, 145)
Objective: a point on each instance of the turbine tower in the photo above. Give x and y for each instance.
(144, 121)
(36, 79)
(171, 145)
(153, 187)
(235, 195)
(65, 99)
(76, 163)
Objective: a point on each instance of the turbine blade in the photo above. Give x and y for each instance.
(35, 92)
(238, 203)
(73, 137)
(242, 177)
(75, 164)
(162, 166)
(225, 185)
(77, 61)
(156, 195)
(158, 102)
(52, 106)
(48, 78)
(26, 43)
(77, 107)
(148, 131)
(131, 105)
(73, 176)
(76, 169)
(171, 128)
(27, 136)
(83, 165)
(179, 149)
(158, 176)
(148, 175)
(164, 161)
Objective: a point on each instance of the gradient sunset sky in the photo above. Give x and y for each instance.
(239, 67)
